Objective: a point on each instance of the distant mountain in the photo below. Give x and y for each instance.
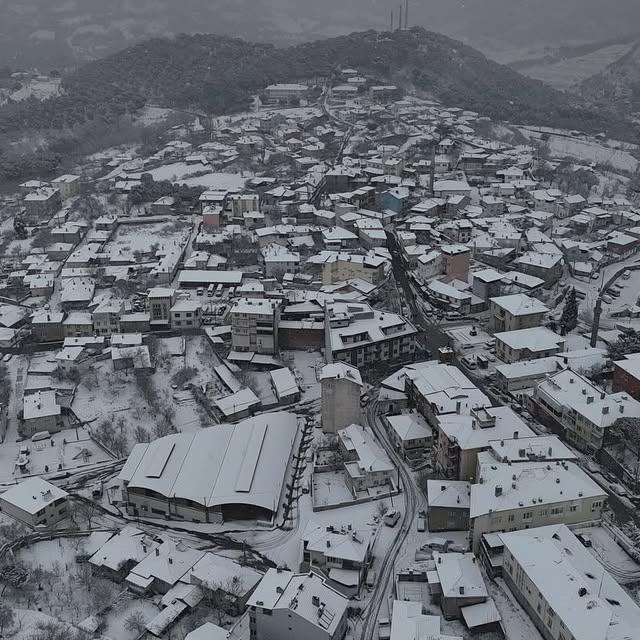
(49, 33)
(219, 74)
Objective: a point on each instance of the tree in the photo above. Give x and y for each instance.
(628, 342)
(569, 318)
(7, 617)
(136, 622)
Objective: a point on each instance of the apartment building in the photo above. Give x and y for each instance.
(254, 325)
(359, 335)
(510, 497)
(579, 410)
(518, 311)
(186, 314)
(337, 267)
(161, 299)
(564, 589)
(292, 606)
(341, 386)
(462, 437)
(106, 317)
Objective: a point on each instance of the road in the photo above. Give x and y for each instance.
(413, 502)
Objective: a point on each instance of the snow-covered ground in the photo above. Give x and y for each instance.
(183, 173)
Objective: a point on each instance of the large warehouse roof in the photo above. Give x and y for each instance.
(244, 463)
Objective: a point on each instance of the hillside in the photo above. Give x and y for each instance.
(618, 84)
(219, 74)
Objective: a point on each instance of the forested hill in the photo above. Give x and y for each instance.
(219, 74)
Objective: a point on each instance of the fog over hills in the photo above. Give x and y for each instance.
(47, 33)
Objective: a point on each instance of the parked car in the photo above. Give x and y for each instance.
(391, 518)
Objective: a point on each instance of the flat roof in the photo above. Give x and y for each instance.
(32, 495)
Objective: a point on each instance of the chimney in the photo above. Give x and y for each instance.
(170, 560)
(328, 543)
(605, 410)
(589, 399)
(550, 451)
(157, 552)
(461, 590)
(515, 435)
(498, 491)
(621, 408)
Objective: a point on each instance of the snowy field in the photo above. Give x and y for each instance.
(189, 174)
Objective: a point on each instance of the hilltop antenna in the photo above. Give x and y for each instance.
(391, 29)
(400, 21)
(406, 14)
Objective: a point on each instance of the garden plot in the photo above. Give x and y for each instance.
(131, 241)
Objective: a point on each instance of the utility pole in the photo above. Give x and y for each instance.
(391, 28)
(597, 311)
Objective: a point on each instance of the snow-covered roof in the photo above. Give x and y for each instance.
(535, 483)
(520, 304)
(369, 454)
(534, 338)
(41, 405)
(243, 463)
(284, 382)
(583, 595)
(410, 426)
(530, 448)
(297, 593)
(344, 543)
(340, 371)
(449, 493)
(459, 575)
(475, 431)
(32, 495)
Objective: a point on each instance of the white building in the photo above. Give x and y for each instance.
(341, 387)
(408, 622)
(41, 412)
(186, 314)
(528, 344)
(579, 409)
(367, 465)
(254, 325)
(35, 503)
(517, 311)
(410, 433)
(564, 589)
(161, 299)
(279, 260)
(359, 335)
(461, 437)
(510, 497)
(286, 606)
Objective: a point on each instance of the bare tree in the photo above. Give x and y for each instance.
(7, 618)
(136, 622)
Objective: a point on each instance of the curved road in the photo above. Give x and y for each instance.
(411, 499)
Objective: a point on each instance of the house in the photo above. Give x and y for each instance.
(254, 325)
(41, 205)
(279, 260)
(208, 631)
(462, 437)
(285, 92)
(546, 266)
(565, 590)
(341, 386)
(106, 317)
(518, 311)
(528, 344)
(510, 497)
(487, 283)
(186, 314)
(68, 185)
(41, 412)
(408, 622)
(35, 503)
(579, 410)
(338, 267)
(626, 375)
(46, 326)
(285, 386)
(163, 568)
(367, 465)
(448, 505)
(343, 554)
(288, 606)
(118, 555)
(455, 261)
(457, 583)
(410, 434)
